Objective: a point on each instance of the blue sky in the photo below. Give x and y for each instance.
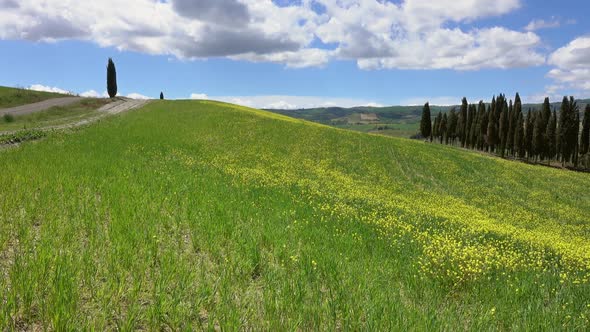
(302, 54)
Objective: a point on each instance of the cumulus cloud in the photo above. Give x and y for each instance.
(412, 34)
(572, 68)
(288, 102)
(213, 11)
(40, 87)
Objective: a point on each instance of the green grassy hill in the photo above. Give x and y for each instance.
(11, 97)
(204, 215)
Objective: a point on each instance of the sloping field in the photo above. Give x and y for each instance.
(12, 97)
(203, 215)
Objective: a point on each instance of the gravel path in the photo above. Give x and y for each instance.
(116, 107)
(40, 106)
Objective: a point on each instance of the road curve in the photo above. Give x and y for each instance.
(118, 106)
(40, 106)
(115, 107)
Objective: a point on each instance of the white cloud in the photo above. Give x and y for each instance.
(288, 102)
(94, 94)
(542, 24)
(413, 34)
(571, 70)
(136, 95)
(281, 105)
(439, 101)
(199, 96)
(40, 87)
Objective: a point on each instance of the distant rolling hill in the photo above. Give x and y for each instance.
(402, 121)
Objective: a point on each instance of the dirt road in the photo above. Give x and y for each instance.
(115, 107)
(40, 106)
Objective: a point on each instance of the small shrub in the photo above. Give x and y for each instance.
(8, 117)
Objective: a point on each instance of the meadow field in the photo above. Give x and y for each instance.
(199, 215)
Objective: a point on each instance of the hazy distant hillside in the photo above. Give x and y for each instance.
(401, 121)
(329, 114)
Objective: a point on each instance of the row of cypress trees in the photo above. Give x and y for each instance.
(502, 127)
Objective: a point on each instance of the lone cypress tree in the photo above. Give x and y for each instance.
(425, 123)
(161, 95)
(550, 137)
(111, 79)
(585, 139)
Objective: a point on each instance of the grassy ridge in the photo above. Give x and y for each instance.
(189, 215)
(57, 115)
(11, 97)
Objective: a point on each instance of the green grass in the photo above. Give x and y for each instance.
(11, 97)
(57, 115)
(200, 215)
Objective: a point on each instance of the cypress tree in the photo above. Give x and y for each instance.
(528, 134)
(550, 137)
(483, 125)
(585, 139)
(425, 123)
(452, 125)
(111, 79)
(511, 129)
(503, 131)
(443, 129)
(575, 136)
(161, 95)
(472, 134)
(517, 113)
(546, 111)
(505, 124)
(568, 129)
(491, 130)
(519, 136)
(436, 125)
(461, 130)
(538, 133)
